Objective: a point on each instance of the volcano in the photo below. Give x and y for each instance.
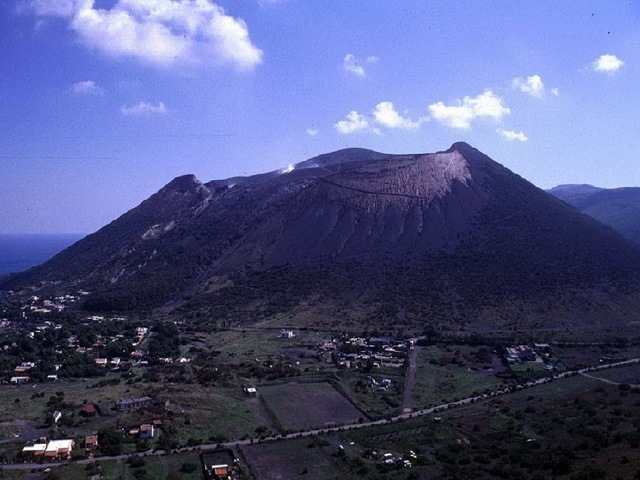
(357, 238)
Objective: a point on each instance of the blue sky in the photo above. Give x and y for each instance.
(105, 101)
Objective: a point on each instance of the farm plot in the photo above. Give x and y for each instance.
(299, 406)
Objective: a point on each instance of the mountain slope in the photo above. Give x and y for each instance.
(451, 239)
(619, 207)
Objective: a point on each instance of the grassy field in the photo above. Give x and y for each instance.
(590, 356)
(199, 413)
(194, 412)
(154, 467)
(307, 405)
(238, 345)
(32, 403)
(439, 381)
(304, 458)
(629, 374)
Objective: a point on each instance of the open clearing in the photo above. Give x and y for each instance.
(307, 405)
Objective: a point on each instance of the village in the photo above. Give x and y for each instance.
(100, 386)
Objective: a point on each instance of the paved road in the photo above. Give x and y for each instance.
(344, 428)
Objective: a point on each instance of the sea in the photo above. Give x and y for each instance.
(19, 252)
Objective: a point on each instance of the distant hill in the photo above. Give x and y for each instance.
(450, 241)
(617, 207)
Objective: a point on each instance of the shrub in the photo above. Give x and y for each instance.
(189, 467)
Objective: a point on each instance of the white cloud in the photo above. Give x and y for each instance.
(88, 87)
(555, 92)
(386, 115)
(162, 33)
(354, 65)
(312, 131)
(512, 135)
(487, 104)
(355, 122)
(607, 63)
(144, 108)
(531, 85)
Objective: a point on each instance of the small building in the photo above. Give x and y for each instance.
(52, 378)
(218, 464)
(101, 362)
(57, 415)
(285, 333)
(91, 441)
(55, 449)
(36, 450)
(20, 380)
(89, 410)
(146, 431)
(542, 347)
(59, 448)
(218, 471)
(22, 368)
(250, 391)
(519, 353)
(128, 404)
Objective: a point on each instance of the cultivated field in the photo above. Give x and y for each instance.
(307, 405)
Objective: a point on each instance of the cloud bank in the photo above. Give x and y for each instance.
(162, 33)
(465, 111)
